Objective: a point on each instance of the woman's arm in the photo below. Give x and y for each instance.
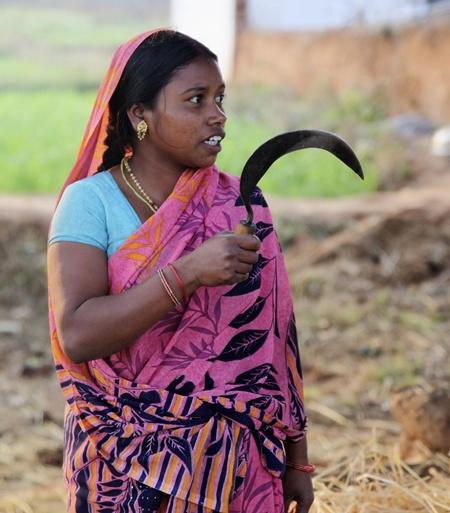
(92, 324)
(297, 485)
(297, 452)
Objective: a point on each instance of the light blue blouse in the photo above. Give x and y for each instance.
(94, 211)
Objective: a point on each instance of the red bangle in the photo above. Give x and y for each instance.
(180, 282)
(303, 468)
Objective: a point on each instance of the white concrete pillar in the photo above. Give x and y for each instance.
(212, 22)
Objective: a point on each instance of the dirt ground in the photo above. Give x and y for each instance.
(371, 281)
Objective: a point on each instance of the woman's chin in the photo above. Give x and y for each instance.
(202, 163)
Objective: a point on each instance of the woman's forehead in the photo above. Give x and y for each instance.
(199, 74)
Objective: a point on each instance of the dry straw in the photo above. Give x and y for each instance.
(373, 479)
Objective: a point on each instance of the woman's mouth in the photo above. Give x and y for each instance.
(213, 143)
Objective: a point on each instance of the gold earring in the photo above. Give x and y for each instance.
(141, 129)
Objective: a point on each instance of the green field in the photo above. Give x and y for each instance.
(41, 131)
(51, 60)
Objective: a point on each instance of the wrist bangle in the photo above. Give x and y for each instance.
(169, 291)
(303, 468)
(179, 281)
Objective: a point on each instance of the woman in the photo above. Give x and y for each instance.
(174, 339)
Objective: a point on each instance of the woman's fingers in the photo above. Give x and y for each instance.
(242, 276)
(249, 257)
(242, 268)
(290, 506)
(250, 242)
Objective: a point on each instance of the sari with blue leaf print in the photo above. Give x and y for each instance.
(197, 408)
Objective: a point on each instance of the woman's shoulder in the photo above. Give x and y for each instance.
(80, 213)
(91, 185)
(93, 192)
(87, 196)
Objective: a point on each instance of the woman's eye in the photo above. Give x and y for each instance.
(199, 97)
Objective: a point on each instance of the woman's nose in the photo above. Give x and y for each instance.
(217, 115)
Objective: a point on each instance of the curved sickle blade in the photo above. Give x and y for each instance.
(264, 156)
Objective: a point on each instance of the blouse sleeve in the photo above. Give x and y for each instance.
(80, 217)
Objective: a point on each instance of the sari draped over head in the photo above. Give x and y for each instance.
(173, 409)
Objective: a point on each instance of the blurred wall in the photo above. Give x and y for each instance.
(212, 23)
(326, 14)
(410, 67)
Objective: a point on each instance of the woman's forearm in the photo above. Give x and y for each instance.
(297, 452)
(105, 325)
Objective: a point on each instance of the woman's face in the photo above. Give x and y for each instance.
(187, 122)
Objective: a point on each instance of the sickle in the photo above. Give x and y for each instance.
(264, 156)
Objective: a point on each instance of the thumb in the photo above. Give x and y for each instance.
(290, 505)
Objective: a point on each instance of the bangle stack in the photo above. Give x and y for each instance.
(303, 468)
(168, 288)
(180, 281)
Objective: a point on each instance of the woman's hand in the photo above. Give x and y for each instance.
(297, 486)
(224, 259)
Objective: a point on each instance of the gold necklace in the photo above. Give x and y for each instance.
(142, 195)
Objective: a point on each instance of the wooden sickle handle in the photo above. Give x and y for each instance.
(245, 229)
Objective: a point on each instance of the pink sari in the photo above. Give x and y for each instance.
(196, 410)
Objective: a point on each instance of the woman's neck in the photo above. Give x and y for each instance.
(157, 177)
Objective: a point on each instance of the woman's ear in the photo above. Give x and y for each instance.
(136, 113)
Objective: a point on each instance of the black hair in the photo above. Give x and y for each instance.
(148, 70)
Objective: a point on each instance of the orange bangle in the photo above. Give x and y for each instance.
(180, 281)
(303, 468)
